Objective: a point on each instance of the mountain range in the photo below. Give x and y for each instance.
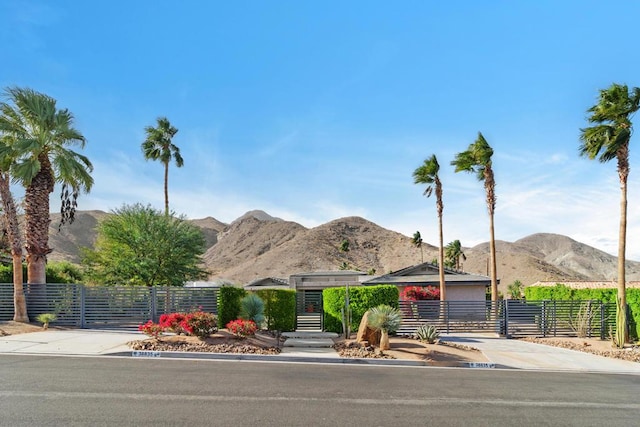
(257, 245)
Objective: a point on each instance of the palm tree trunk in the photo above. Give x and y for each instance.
(492, 255)
(443, 290)
(13, 232)
(166, 188)
(622, 331)
(37, 220)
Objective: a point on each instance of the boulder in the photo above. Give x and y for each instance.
(366, 333)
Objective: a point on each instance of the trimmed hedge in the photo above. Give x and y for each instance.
(563, 293)
(361, 299)
(56, 272)
(229, 304)
(279, 308)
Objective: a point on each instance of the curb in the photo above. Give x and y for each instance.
(266, 358)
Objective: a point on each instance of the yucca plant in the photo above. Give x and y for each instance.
(46, 318)
(427, 333)
(252, 308)
(385, 319)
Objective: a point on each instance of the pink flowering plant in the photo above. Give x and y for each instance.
(242, 328)
(154, 330)
(200, 323)
(173, 322)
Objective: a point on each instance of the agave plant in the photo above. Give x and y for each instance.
(252, 308)
(385, 319)
(427, 333)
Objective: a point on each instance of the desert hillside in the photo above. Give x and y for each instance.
(258, 245)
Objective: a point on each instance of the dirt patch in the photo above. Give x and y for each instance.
(220, 342)
(591, 345)
(15, 328)
(440, 354)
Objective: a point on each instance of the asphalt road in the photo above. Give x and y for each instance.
(72, 391)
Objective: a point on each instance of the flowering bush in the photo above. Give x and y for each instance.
(420, 293)
(242, 328)
(200, 324)
(151, 329)
(173, 322)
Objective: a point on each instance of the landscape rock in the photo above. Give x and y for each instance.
(366, 333)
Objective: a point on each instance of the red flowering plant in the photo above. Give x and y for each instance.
(242, 328)
(154, 330)
(200, 323)
(420, 293)
(173, 322)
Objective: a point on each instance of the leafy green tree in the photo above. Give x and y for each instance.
(139, 245)
(37, 141)
(416, 240)
(477, 159)
(428, 174)
(159, 146)
(606, 140)
(453, 254)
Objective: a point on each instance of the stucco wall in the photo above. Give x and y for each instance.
(466, 293)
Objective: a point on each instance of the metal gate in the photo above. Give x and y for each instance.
(309, 310)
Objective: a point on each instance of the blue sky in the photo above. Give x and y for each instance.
(314, 111)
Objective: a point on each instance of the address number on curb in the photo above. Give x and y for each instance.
(141, 353)
(481, 365)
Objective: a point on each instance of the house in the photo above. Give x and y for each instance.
(267, 283)
(460, 286)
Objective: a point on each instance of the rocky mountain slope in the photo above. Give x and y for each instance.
(258, 245)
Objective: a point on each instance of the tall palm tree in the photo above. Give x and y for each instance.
(38, 136)
(454, 253)
(427, 173)
(416, 240)
(609, 139)
(15, 239)
(477, 159)
(158, 146)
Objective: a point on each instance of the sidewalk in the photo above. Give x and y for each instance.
(509, 354)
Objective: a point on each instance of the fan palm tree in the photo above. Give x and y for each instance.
(416, 240)
(454, 253)
(427, 173)
(37, 138)
(15, 241)
(477, 159)
(158, 146)
(606, 140)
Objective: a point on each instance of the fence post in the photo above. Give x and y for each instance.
(154, 308)
(83, 306)
(506, 317)
(602, 322)
(446, 304)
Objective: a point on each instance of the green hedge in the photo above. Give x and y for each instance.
(361, 299)
(57, 272)
(279, 308)
(562, 293)
(229, 304)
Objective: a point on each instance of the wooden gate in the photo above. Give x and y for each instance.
(309, 310)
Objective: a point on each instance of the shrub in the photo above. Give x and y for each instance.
(361, 299)
(427, 333)
(200, 324)
(46, 318)
(420, 293)
(279, 308)
(252, 308)
(151, 329)
(385, 318)
(242, 328)
(229, 304)
(173, 322)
